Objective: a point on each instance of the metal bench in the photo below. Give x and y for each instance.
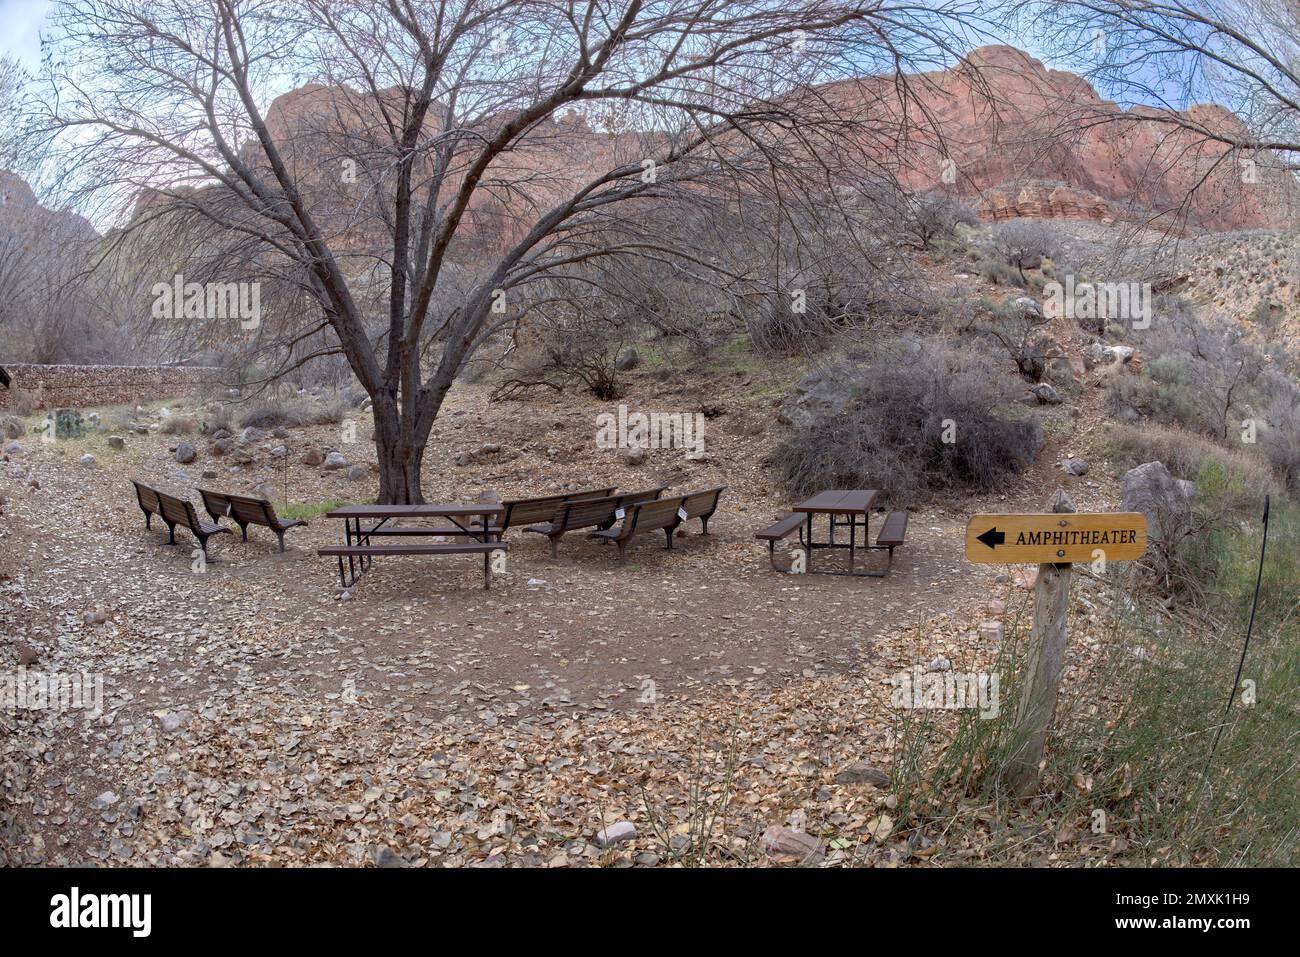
(178, 511)
(598, 513)
(647, 517)
(525, 511)
(702, 505)
(148, 499)
(246, 510)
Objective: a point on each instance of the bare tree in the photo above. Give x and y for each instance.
(1175, 54)
(437, 158)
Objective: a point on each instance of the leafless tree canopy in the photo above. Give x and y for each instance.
(439, 160)
(1242, 55)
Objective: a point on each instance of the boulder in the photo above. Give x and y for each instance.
(1164, 500)
(1043, 393)
(186, 453)
(223, 446)
(87, 460)
(1061, 370)
(13, 427)
(116, 442)
(635, 455)
(627, 359)
(1029, 306)
(1075, 466)
(252, 434)
(822, 392)
(357, 473)
(788, 842)
(335, 461)
(616, 833)
(313, 457)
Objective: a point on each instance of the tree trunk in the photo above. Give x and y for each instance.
(401, 455)
(399, 475)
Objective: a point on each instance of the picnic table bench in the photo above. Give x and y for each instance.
(482, 538)
(852, 503)
(246, 510)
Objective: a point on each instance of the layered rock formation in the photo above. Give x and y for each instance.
(1023, 140)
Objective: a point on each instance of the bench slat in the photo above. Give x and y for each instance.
(894, 530)
(783, 528)
(436, 548)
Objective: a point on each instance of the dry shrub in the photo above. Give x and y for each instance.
(21, 402)
(178, 425)
(277, 413)
(891, 436)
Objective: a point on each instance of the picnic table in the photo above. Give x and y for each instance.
(834, 503)
(481, 538)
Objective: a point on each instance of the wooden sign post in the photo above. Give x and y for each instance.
(1054, 541)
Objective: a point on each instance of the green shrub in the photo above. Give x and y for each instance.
(1228, 480)
(998, 273)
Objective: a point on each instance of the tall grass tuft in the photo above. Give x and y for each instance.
(1129, 774)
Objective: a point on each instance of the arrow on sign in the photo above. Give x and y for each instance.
(993, 538)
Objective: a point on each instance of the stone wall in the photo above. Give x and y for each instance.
(78, 387)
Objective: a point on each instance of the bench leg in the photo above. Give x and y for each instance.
(171, 534)
(622, 553)
(148, 521)
(704, 523)
(280, 536)
(487, 570)
(669, 533)
(555, 546)
(243, 530)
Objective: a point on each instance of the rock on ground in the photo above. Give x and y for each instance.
(1164, 500)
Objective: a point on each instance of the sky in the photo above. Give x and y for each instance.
(20, 24)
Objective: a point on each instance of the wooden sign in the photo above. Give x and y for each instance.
(1056, 538)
